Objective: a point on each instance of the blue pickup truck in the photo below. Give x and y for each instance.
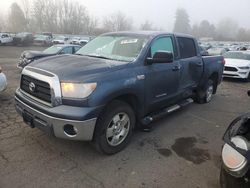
(117, 82)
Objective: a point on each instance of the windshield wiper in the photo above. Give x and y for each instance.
(96, 56)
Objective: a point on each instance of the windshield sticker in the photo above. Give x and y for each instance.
(129, 41)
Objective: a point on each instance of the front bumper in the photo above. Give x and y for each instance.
(54, 125)
(243, 74)
(3, 82)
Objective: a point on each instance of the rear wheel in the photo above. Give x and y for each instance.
(205, 95)
(114, 128)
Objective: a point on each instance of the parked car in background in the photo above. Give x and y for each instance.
(79, 40)
(83, 41)
(113, 81)
(3, 80)
(44, 40)
(48, 34)
(237, 64)
(5, 38)
(74, 40)
(60, 40)
(203, 51)
(216, 51)
(23, 38)
(28, 57)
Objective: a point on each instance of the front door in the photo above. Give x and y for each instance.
(162, 79)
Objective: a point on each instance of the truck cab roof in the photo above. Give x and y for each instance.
(148, 33)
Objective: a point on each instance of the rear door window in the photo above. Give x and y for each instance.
(187, 47)
(162, 44)
(67, 50)
(76, 48)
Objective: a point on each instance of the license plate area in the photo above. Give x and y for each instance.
(28, 118)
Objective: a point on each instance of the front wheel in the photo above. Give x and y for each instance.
(205, 95)
(114, 128)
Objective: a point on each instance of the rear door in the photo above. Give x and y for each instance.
(191, 63)
(162, 79)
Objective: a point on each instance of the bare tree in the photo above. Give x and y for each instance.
(182, 21)
(39, 7)
(117, 22)
(204, 29)
(227, 29)
(147, 25)
(73, 17)
(16, 19)
(2, 22)
(91, 26)
(243, 35)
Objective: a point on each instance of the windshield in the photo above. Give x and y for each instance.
(59, 38)
(52, 50)
(42, 37)
(237, 55)
(116, 47)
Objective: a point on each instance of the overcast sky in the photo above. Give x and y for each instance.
(162, 12)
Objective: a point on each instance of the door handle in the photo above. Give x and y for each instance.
(176, 68)
(199, 64)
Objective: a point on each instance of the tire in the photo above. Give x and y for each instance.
(205, 95)
(110, 135)
(228, 181)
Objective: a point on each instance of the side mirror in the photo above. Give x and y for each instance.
(248, 93)
(161, 57)
(62, 52)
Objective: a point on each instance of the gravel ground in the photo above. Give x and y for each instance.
(182, 150)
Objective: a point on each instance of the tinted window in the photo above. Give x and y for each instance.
(162, 44)
(67, 50)
(187, 47)
(52, 49)
(76, 48)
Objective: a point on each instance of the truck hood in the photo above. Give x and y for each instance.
(237, 62)
(33, 54)
(76, 67)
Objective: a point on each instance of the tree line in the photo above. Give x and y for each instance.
(60, 16)
(68, 17)
(226, 30)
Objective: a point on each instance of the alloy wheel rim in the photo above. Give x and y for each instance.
(210, 90)
(118, 129)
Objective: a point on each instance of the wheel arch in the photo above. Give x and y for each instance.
(214, 77)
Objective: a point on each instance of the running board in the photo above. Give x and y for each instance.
(154, 116)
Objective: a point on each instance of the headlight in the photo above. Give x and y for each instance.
(235, 163)
(244, 67)
(27, 60)
(77, 90)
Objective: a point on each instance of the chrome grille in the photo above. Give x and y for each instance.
(36, 88)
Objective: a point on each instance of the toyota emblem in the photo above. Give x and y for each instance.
(32, 87)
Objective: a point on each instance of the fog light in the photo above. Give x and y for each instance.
(70, 130)
(235, 163)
